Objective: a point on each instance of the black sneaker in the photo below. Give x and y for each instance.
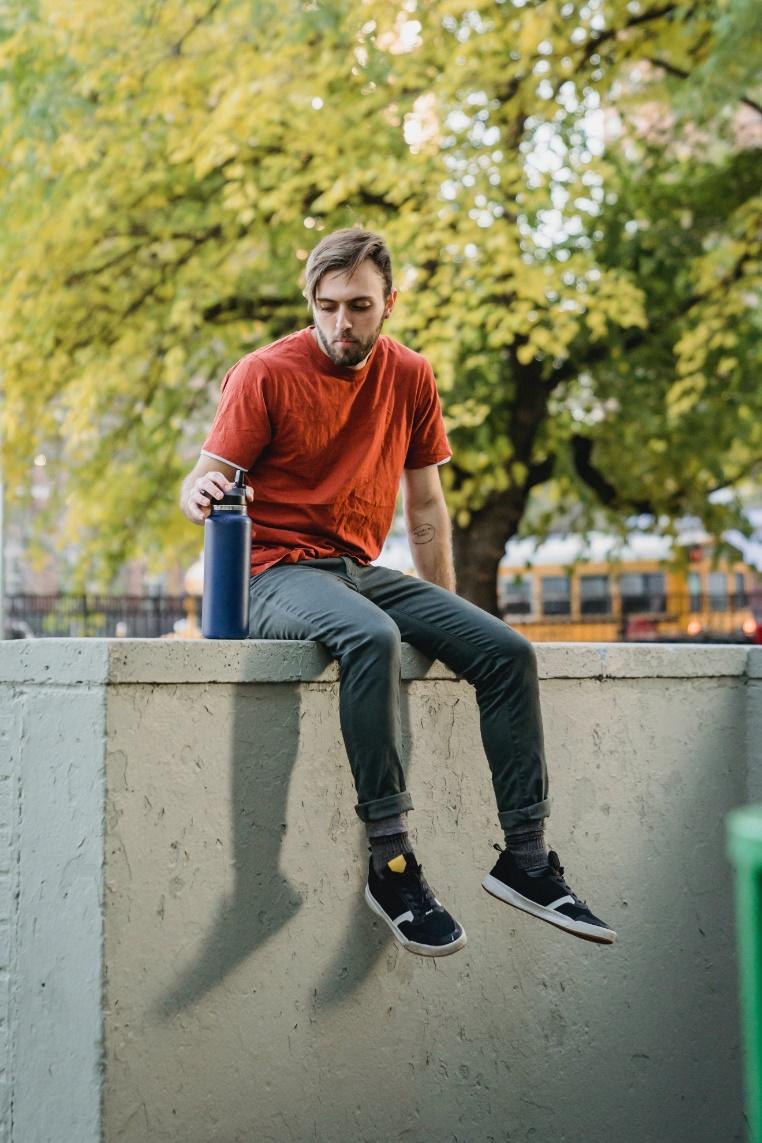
(401, 897)
(546, 895)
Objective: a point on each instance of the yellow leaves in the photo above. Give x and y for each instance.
(691, 348)
(596, 323)
(612, 299)
(74, 151)
(718, 265)
(551, 337)
(533, 283)
(684, 395)
(175, 366)
(13, 46)
(182, 316)
(544, 339)
(154, 186)
(466, 414)
(340, 189)
(726, 365)
(240, 197)
(706, 335)
(536, 26)
(473, 460)
(213, 153)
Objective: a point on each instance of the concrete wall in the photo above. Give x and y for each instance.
(191, 960)
(53, 708)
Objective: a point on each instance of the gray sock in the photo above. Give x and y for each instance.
(388, 839)
(526, 845)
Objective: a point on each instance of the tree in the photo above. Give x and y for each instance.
(170, 166)
(155, 215)
(616, 354)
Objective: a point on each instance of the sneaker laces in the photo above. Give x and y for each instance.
(556, 872)
(417, 887)
(554, 863)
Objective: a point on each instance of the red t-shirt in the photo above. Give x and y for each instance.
(324, 446)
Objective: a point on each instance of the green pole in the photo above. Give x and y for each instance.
(744, 828)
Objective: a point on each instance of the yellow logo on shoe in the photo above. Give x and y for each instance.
(397, 864)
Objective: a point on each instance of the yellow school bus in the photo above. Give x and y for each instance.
(598, 589)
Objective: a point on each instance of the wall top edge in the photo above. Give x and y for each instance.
(754, 665)
(68, 662)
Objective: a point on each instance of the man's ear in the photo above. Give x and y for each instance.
(389, 306)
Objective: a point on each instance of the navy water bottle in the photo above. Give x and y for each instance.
(227, 563)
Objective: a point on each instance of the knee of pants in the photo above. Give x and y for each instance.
(380, 641)
(517, 651)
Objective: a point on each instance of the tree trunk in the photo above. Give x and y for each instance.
(478, 550)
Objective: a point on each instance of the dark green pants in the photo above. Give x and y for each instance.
(361, 615)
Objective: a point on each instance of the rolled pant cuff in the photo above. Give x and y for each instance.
(510, 819)
(384, 807)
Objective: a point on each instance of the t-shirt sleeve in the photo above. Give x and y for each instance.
(428, 440)
(241, 428)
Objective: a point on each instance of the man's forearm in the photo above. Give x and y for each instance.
(428, 529)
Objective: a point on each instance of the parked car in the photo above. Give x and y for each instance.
(17, 629)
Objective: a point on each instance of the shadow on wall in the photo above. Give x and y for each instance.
(263, 900)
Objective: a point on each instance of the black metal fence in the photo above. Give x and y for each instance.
(151, 617)
(104, 616)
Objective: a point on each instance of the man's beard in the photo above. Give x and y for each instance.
(348, 355)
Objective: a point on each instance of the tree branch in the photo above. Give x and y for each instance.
(176, 48)
(236, 306)
(541, 471)
(582, 451)
(679, 73)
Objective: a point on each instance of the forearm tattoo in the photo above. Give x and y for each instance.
(423, 534)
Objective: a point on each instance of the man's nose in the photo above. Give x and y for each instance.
(343, 319)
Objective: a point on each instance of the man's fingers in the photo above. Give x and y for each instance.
(199, 512)
(207, 490)
(213, 485)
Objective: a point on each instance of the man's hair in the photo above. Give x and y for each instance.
(344, 250)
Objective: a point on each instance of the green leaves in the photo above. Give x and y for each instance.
(575, 231)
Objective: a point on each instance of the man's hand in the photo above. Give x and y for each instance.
(201, 488)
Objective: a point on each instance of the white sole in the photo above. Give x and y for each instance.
(413, 946)
(581, 929)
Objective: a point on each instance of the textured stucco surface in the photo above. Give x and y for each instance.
(55, 925)
(754, 727)
(249, 995)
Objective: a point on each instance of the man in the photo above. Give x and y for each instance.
(326, 422)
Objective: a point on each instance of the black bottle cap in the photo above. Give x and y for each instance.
(235, 495)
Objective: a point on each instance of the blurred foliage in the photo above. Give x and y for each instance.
(570, 190)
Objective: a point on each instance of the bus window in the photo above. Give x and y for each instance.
(718, 591)
(515, 595)
(642, 591)
(741, 598)
(556, 595)
(694, 591)
(594, 595)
